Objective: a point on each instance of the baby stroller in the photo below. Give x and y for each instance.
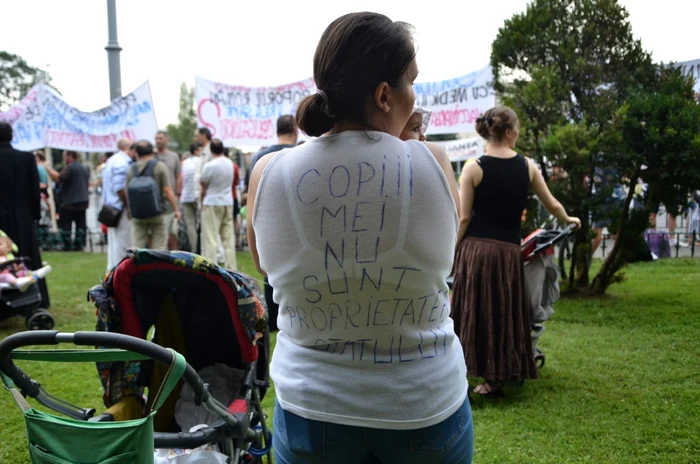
(14, 302)
(214, 317)
(85, 438)
(541, 280)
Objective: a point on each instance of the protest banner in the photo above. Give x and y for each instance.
(26, 120)
(131, 116)
(44, 119)
(457, 103)
(463, 149)
(241, 115)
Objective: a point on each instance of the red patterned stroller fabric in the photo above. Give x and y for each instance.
(120, 379)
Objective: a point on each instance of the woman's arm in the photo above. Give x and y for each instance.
(444, 162)
(53, 174)
(255, 176)
(539, 186)
(471, 177)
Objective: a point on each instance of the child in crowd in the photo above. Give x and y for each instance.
(18, 276)
(417, 125)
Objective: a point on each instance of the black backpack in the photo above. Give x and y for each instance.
(143, 193)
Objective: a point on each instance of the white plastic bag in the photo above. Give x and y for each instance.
(206, 454)
(196, 456)
(223, 384)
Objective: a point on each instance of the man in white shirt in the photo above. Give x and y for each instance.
(189, 199)
(202, 136)
(114, 195)
(217, 208)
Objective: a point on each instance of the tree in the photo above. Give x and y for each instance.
(16, 78)
(182, 132)
(656, 139)
(566, 67)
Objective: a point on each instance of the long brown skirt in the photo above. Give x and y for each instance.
(490, 311)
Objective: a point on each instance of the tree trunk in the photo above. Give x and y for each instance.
(615, 261)
(583, 252)
(578, 271)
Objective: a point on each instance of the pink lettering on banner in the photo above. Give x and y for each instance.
(300, 85)
(77, 141)
(200, 113)
(251, 129)
(454, 117)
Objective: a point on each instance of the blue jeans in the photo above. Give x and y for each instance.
(302, 441)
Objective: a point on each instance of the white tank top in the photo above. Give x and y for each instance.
(356, 232)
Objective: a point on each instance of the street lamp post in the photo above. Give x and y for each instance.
(113, 49)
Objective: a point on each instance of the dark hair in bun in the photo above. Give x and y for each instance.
(493, 124)
(356, 53)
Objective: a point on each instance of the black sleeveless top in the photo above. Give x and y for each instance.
(500, 199)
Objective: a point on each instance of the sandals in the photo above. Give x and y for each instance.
(488, 391)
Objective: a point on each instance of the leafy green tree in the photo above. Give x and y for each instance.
(566, 67)
(182, 132)
(655, 138)
(16, 78)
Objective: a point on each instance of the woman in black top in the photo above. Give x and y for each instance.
(490, 308)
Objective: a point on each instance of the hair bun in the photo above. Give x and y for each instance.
(313, 115)
(494, 123)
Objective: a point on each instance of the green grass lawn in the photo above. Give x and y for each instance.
(621, 383)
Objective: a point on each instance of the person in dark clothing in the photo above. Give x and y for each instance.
(489, 305)
(74, 181)
(287, 135)
(20, 202)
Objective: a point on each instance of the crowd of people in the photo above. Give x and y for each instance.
(149, 192)
(356, 232)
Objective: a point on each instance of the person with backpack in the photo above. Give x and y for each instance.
(148, 183)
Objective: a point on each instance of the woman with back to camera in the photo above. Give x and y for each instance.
(492, 316)
(356, 232)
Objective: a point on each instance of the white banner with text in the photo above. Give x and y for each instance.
(463, 149)
(44, 119)
(241, 115)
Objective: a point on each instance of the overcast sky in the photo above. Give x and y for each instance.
(270, 42)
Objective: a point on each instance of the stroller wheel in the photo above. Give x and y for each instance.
(40, 320)
(540, 359)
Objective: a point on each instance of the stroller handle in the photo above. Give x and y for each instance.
(111, 340)
(135, 345)
(12, 262)
(561, 235)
